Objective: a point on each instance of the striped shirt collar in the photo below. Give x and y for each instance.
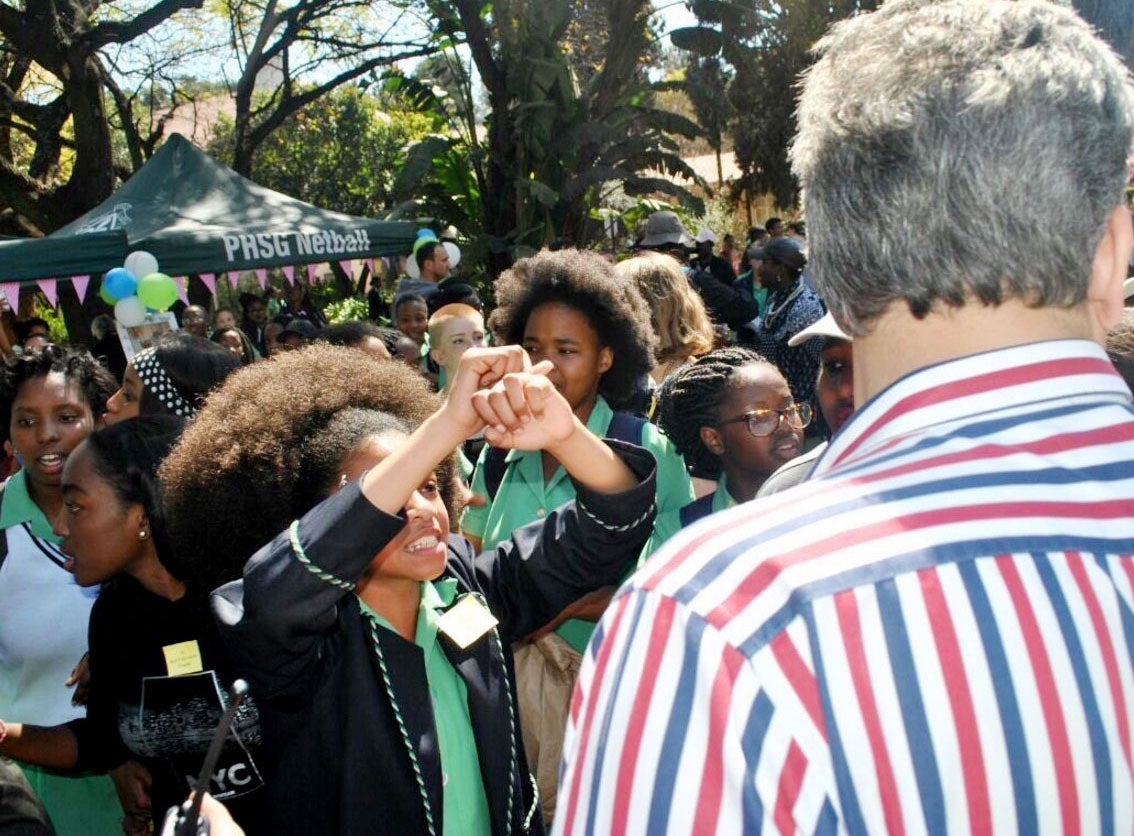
(968, 387)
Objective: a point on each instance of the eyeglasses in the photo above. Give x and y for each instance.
(762, 422)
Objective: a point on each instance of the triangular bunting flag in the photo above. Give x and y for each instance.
(289, 273)
(50, 288)
(233, 278)
(312, 272)
(182, 282)
(262, 277)
(11, 291)
(80, 284)
(210, 280)
(370, 264)
(347, 266)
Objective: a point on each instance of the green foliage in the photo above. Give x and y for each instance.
(341, 152)
(767, 45)
(54, 319)
(346, 310)
(571, 124)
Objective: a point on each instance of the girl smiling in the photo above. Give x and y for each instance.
(377, 644)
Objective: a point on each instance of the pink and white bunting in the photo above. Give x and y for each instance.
(312, 272)
(50, 288)
(289, 273)
(11, 291)
(348, 267)
(182, 283)
(210, 280)
(262, 277)
(233, 278)
(80, 284)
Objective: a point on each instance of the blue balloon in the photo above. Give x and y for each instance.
(422, 233)
(120, 283)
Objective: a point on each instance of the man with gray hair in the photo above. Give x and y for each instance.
(935, 633)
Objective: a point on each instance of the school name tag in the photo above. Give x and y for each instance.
(182, 658)
(466, 621)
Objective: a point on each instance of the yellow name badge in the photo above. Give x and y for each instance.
(466, 621)
(182, 658)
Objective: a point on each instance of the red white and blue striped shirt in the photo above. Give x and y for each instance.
(934, 635)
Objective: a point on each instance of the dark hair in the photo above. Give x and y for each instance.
(691, 398)
(425, 252)
(798, 227)
(126, 455)
(1120, 346)
(453, 293)
(24, 328)
(329, 446)
(771, 222)
(95, 382)
(588, 283)
(247, 299)
(246, 467)
(351, 333)
(245, 343)
(194, 366)
(408, 297)
(390, 337)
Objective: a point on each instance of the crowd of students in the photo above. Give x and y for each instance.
(167, 509)
(403, 539)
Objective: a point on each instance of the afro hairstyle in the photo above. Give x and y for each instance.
(588, 283)
(248, 464)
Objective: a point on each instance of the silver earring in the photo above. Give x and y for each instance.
(142, 535)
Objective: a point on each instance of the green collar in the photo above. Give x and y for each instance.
(722, 499)
(18, 508)
(435, 595)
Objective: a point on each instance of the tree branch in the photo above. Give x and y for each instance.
(123, 31)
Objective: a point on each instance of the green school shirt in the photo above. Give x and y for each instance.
(523, 496)
(465, 805)
(669, 523)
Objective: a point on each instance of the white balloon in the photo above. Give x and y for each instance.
(454, 254)
(130, 311)
(141, 264)
(412, 270)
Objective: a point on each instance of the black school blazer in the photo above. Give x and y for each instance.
(350, 745)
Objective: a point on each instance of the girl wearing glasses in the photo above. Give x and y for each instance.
(732, 416)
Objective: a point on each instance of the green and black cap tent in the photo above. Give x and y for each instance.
(197, 216)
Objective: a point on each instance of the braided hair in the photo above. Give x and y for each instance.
(691, 398)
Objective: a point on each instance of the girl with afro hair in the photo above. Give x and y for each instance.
(376, 644)
(732, 415)
(570, 308)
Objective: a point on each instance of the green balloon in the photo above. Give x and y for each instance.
(103, 295)
(157, 291)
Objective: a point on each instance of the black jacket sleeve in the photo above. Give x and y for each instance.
(583, 545)
(279, 620)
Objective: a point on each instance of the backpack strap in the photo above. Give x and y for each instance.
(495, 466)
(626, 427)
(3, 532)
(695, 510)
(623, 427)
